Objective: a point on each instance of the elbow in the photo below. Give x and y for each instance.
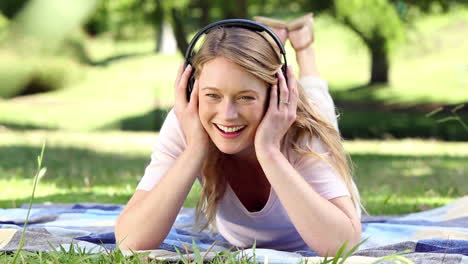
(126, 242)
(126, 239)
(136, 246)
(334, 245)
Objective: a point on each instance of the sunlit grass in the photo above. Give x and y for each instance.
(394, 176)
(408, 147)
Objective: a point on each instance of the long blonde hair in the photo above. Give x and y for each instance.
(257, 54)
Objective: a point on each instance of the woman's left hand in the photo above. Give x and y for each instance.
(280, 115)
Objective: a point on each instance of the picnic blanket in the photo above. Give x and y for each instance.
(435, 236)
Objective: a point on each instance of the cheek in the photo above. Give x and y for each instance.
(258, 113)
(203, 113)
(265, 104)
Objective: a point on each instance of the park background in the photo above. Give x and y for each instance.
(94, 79)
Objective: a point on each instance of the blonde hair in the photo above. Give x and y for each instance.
(257, 54)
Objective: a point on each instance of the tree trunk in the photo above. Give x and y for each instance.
(205, 6)
(380, 65)
(179, 31)
(242, 9)
(227, 10)
(235, 9)
(158, 19)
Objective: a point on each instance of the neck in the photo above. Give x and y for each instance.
(247, 156)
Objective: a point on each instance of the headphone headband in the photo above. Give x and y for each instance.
(242, 23)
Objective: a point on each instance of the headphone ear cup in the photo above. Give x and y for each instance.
(190, 83)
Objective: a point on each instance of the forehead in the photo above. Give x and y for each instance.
(225, 75)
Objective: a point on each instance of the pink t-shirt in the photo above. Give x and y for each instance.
(271, 226)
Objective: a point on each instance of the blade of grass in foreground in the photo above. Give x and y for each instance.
(39, 174)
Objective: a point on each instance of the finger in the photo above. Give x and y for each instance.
(293, 92)
(283, 89)
(273, 98)
(181, 88)
(179, 72)
(193, 104)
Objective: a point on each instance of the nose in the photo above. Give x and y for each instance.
(229, 110)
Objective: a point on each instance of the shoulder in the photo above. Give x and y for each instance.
(312, 145)
(171, 133)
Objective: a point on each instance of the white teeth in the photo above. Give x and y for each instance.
(229, 129)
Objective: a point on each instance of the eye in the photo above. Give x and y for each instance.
(247, 98)
(214, 96)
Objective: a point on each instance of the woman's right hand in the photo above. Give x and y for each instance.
(187, 112)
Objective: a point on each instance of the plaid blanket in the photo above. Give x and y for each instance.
(435, 236)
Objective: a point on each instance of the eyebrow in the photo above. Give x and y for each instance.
(243, 91)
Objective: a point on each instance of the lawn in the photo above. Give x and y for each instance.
(394, 176)
(89, 158)
(429, 67)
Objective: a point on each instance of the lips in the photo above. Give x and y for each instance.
(230, 129)
(230, 134)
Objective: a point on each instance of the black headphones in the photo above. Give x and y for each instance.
(242, 23)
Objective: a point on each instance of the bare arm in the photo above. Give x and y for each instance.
(323, 224)
(148, 216)
(307, 64)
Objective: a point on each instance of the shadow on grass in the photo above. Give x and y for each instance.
(356, 121)
(69, 197)
(378, 124)
(150, 121)
(21, 127)
(73, 167)
(116, 58)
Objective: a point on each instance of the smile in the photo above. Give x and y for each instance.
(229, 129)
(230, 132)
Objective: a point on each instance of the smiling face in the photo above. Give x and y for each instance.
(232, 103)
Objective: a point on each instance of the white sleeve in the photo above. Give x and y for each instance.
(169, 146)
(319, 174)
(317, 91)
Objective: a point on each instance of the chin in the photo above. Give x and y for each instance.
(227, 149)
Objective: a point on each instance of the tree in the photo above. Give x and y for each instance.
(381, 24)
(158, 18)
(235, 9)
(377, 23)
(179, 30)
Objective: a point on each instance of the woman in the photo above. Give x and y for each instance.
(267, 153)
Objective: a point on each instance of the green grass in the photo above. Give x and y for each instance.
(394, 176)
(431, 66)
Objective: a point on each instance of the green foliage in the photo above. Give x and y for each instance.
(34, 74)
(375, 21)
(50, 21)
(4, 22)
(454, 116)
(10, 8)
(125, 19)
